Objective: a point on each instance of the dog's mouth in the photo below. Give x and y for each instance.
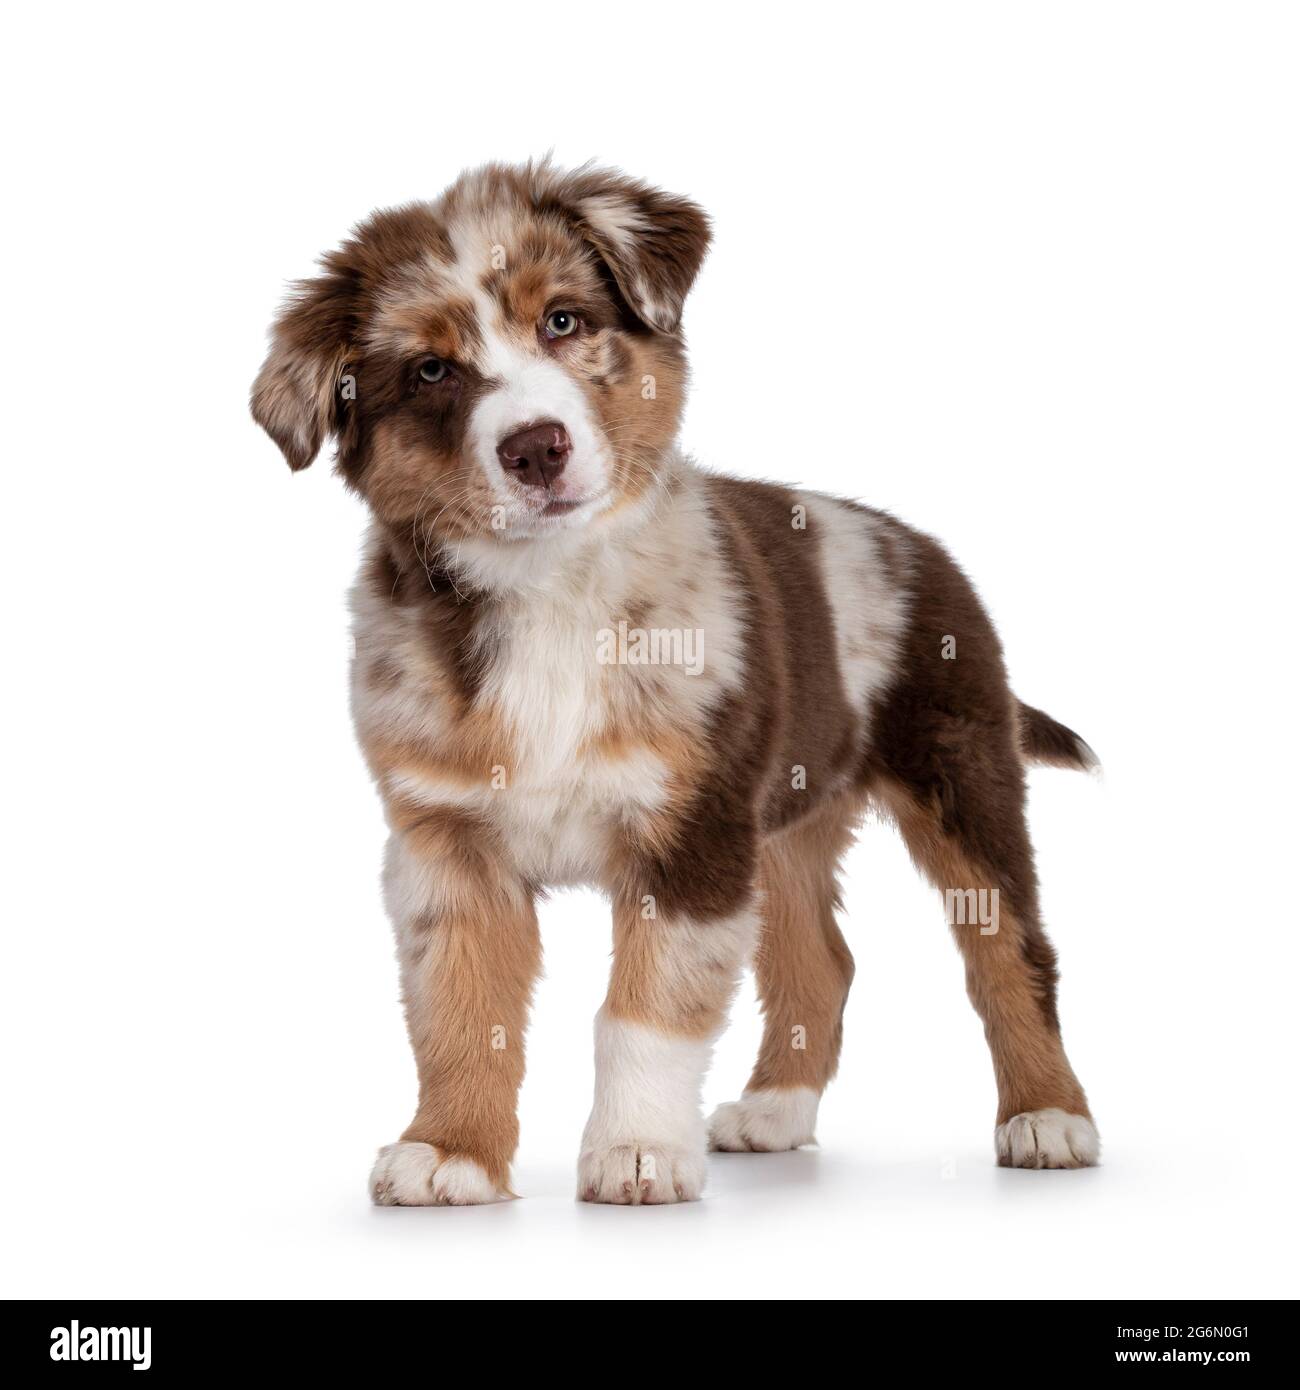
(556, 512)
(557, 508)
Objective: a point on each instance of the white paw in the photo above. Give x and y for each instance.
(418, 1175)
(1047, 1139)
(640, 1174)
(766, 1121)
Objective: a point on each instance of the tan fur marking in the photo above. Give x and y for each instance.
(803, 966)
(415, 483)
(638, 408)
(430, 321)
(468, 968)
(676, 976)
(1029, 1059)
(475, 745)
(654, 831)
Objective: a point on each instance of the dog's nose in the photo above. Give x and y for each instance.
(537, 455)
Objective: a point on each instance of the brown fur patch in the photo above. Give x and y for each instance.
(777, 752)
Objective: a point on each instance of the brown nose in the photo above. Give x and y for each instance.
(537, 455)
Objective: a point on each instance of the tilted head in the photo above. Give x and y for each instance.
(501, 364)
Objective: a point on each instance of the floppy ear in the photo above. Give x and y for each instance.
(653, 242)
(295, 398)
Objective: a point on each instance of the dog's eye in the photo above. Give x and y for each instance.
(561, 323)
(433, 369)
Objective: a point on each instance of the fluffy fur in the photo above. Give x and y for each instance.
(581, 659)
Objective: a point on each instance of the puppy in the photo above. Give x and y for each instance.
(580, 659)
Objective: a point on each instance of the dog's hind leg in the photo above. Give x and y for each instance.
(967, 833)
(803, 970)
(948, 741)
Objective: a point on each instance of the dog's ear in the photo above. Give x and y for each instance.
(296, 397)
(653, 242)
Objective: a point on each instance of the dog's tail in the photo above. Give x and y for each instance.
(1043, 740)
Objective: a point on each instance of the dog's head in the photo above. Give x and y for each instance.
(502, 363)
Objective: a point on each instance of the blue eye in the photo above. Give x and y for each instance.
(432, 369)
(561, 323)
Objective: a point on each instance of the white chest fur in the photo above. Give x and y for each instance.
(563, 792)
(584, 676)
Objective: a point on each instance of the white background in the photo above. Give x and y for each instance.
(1025, 274)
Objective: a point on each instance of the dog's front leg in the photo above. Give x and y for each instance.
(469, 951)
(673, 976)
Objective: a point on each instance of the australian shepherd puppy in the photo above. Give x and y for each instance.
(580, 659)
